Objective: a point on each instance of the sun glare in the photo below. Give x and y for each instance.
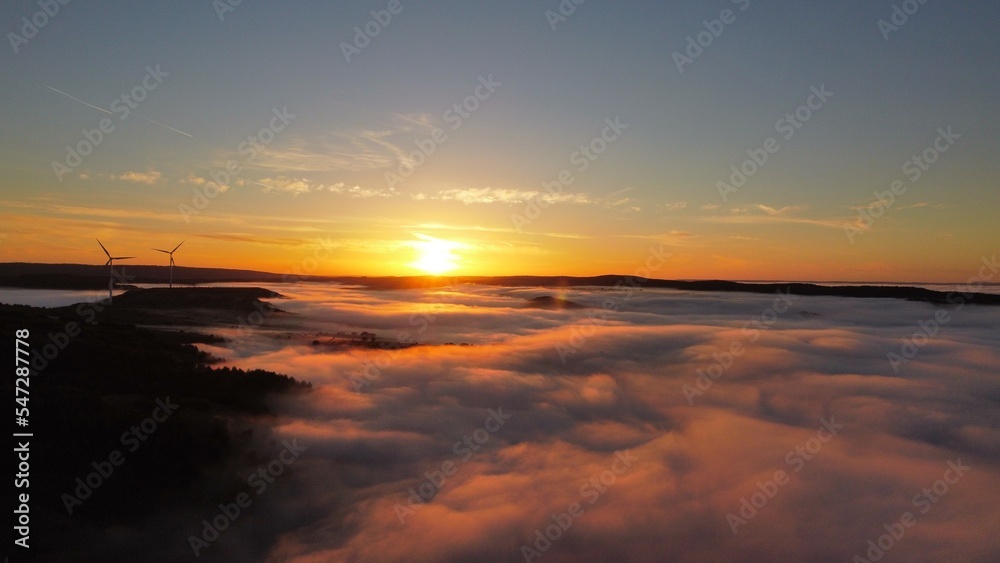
(435, 256)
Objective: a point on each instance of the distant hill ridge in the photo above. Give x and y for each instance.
(81, 276)
(26, 274)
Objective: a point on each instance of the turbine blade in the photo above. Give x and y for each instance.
(104, 249)
(178, 246)
(163, 251)
(110, 260)
(122, 257)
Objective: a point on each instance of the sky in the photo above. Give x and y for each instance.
(636, 409)
(747, 140)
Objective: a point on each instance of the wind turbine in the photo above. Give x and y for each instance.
(111, 263)
(171, 254)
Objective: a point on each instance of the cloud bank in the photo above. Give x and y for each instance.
(651, 426)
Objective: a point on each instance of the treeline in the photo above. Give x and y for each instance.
(102, 393)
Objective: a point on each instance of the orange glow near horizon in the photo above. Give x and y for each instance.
(358, 247)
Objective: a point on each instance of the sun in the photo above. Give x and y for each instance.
(435, 256)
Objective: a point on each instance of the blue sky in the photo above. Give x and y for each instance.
(323, 177)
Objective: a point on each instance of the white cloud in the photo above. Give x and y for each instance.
(289, 185)
(193, 180)
(481, 195)
(150, 177)
(298, 186)
(501, 195)
(782, 211)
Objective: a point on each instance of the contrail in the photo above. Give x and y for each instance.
(77, 99)
(258, 183)
(162, 125)
(72, 97)
(628, 189)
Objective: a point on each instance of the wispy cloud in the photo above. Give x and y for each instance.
(479, 228)
(620, 192)
(256, 239)
(874, 203)
(298, 186)
(674, 236)
(194, 180)
(675, 206)
(501, 195)
(352, 150)
(150, 177)
(764, 214)
(322, 155)
(788, 209)
(44, 207)
(765, 219)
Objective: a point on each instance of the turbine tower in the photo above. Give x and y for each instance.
(111, 264)
(171, 254)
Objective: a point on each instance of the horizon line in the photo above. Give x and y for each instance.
(304, 277)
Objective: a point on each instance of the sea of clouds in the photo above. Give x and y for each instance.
(654, 425)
